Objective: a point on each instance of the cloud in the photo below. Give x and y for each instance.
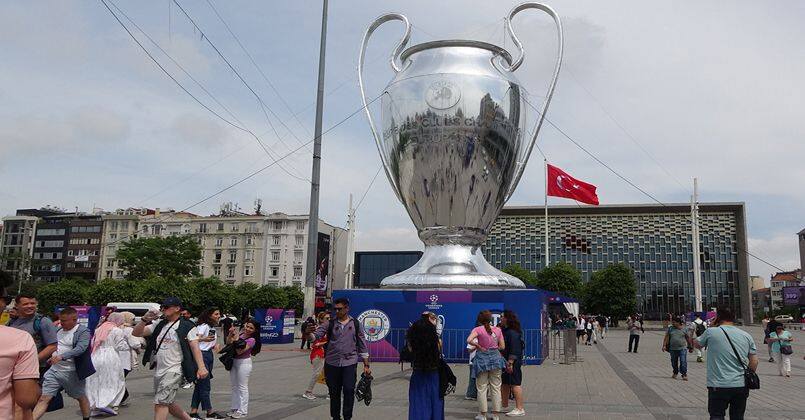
(32, 134)
(197, 130)
(782, 249)
(388, 239)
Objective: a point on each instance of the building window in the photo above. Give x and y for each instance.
(109, 274)
(220, 227)
(300, 240)
(217, 257)
(300, 225)
(275, 255)
(113, 236)
(50, 232)
(235, 227)
(233, 256)
(85, 229)
(49, 244)
(249, 240)
(274, 271)
(219, 241)
(251, 227)
(145, 228)
(110, 262)
(113, 225)
(157, 229)
(233, 241)
(297, 256)
(247, 270)
(124, 225)
(249, 256)
(275, 240)
(297, 272)
(277, 225)
(216, 271)
(202, 228)
(230, 271)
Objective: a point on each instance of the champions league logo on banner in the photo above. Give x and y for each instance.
(268, 321)
(376, 324)
(434, 303)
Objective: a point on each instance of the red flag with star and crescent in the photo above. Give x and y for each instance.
(560, 184)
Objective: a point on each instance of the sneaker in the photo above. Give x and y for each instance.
(238, 415)
(516, 413)
(684, 377)
(771, 360)
(196, 416)
(673, 376)
(468, 398)
(215, 416)
(480, 417)
(699, 359)
(187, 385)
(308, 396)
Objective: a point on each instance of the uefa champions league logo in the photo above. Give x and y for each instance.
(434, 299)
(434, 302)
(268, 320)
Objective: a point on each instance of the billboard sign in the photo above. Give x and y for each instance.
(322, 265)
(276, 325)
(794, 295)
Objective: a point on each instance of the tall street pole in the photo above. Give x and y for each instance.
(313, 220)
(697, 272)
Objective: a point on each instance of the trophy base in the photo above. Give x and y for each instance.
(452, 267)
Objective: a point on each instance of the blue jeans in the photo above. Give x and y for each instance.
(679, 361)
(201, 393)
(472, 391)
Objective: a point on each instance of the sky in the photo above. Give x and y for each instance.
(660, 91)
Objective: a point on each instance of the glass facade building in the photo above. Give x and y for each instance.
(654, 240)
(371, 267)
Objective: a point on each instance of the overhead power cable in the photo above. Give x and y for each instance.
(187, 91)
(738, 247)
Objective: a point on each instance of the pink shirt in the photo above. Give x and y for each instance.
(486, 340)
(18, 360)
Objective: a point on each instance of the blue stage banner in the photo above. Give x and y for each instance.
(385, 315)
(276, 325)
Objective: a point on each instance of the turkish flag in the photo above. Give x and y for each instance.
(560, 184)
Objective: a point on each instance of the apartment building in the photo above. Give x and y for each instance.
(778, 282)
(16, 251)
(119, 227)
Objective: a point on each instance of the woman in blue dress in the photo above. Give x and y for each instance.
(425, 401)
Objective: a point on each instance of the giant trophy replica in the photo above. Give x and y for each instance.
(453, 120)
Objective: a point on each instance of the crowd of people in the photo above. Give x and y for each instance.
(42, 359)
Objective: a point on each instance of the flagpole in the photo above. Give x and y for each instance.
(547, 250)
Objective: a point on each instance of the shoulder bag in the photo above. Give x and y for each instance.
(751, 379)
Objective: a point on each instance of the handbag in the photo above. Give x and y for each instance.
(447, 380)
(786, 349)
(751, 380)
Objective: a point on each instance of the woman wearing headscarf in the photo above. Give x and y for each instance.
(105, 389)
(128, 357)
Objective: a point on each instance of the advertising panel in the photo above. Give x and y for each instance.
(385, 315)
(274, 325)
(794, 296)
(322, 265)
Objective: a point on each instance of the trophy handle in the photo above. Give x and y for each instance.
(522, 159)
(396, 65)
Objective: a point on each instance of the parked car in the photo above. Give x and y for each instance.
(137, 308)
(784, 318)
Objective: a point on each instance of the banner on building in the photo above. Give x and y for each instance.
(276, 325)
(322, 265)
(794, 296)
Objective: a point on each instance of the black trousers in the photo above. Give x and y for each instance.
(304, 341)
(719, 399)
(341, 379)
(634, 339)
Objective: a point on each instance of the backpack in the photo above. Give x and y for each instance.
(330, 327)
(700, 329)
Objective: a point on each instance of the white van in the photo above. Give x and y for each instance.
(137, 308)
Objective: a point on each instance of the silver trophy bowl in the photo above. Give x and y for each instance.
(452, 144)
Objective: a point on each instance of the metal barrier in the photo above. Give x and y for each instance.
(563, 346)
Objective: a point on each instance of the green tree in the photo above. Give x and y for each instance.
(611, 291)
(62, 293)
(521, 273)
(6, 279)
(296, 300)
(169, 257)
(204, 292)
(110, 290)
(268, 297)
(155, 289)
(560, 277)
(243, 297)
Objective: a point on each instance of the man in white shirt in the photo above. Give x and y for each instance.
(72, 341)
(173, 345)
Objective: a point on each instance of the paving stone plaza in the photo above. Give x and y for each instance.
(608, 384)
